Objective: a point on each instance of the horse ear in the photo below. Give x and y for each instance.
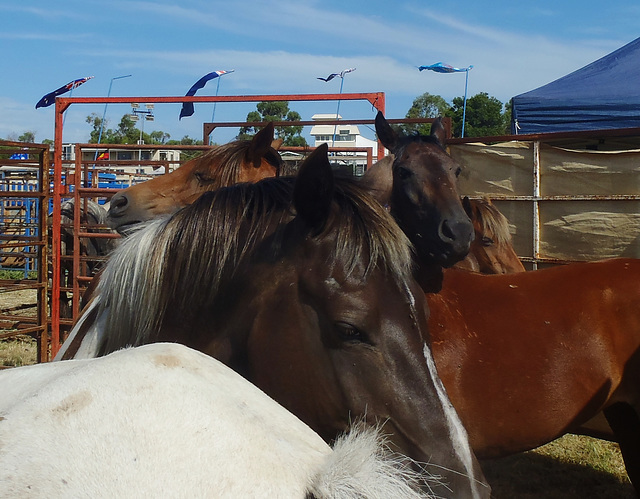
(386, 134)
(466, 204)
(313, 191)
(438, 132)
(378, 179)
(277, 144)
(260, 145)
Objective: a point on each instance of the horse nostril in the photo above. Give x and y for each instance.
(445, 231)
(119, 203)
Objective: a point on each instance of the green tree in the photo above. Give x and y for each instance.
(158, 137)
(186, 141)
(484, 116)
(506, 117)
(27, 136)
(125, 133)
(275, 111)
(425, 106)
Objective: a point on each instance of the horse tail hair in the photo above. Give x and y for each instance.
(362, 465)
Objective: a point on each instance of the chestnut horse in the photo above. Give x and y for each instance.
(424, 199)
(232, 163)
(491, 251)
(304, 286)
(530, 356)
(164, 420)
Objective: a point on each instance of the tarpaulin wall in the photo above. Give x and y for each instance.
(562, 204)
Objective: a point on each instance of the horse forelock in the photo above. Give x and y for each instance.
(366, 232)
(407, 140)
(493, 222)
(227, 158)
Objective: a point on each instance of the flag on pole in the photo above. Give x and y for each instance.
(441, 67)
(340, 74)
(187, 107)
(50, 98)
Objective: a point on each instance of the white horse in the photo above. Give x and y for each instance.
(163, 420)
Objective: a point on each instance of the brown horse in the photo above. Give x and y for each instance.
(232, 163)
(530, 356)
(424, 199)
(491, 251)
(304, 286)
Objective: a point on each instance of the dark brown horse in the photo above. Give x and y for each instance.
(491, 251)
(530, 356)
(424, 199)
(303, 286)
(232, 163)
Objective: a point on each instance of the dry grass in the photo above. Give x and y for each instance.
(571, 467)
(19, 351)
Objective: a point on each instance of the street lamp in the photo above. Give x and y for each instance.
(148, 116)
(104, 113)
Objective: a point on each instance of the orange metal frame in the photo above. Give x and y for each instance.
(377, 100)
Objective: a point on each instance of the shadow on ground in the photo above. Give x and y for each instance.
(530, 475)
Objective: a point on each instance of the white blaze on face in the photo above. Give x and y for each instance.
(457, 431)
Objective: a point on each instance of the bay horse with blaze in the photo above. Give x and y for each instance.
(303, 286)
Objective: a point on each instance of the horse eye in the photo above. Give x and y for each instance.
(487, 241)
(404, 173)
(350, 334)
(203, 178)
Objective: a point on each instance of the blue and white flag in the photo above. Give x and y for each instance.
(50, 98)
(340, 74)
(187, 107)
(441, 67)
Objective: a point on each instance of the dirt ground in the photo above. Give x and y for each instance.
(12, 299)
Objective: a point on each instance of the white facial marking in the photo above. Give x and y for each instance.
(456, 429)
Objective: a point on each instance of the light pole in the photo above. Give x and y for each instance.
(104, 113)
(441, 67)
(148, 116)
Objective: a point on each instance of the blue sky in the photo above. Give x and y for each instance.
(280, 47)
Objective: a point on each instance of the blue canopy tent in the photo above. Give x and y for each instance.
(602, 95)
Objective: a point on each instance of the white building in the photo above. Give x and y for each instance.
(343, 136)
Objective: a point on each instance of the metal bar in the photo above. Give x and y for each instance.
(375, 98)
(77, 215)
(536, 207)
(42, 290)
(56, 219)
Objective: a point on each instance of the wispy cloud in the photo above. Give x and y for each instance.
(44, 13)
(46, 36)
